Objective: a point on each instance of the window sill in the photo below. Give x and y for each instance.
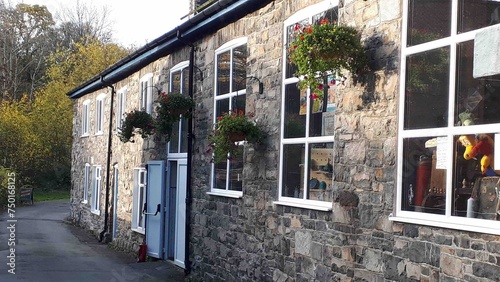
(326, 207)
(96, 212)
(84, 135)
(84, 202)
(99, 133)
(229, 195)
(459, 223)
(139, 230)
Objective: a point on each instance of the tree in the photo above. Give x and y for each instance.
(82, 24)
(24, 45)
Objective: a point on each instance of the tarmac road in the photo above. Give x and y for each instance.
(48, 249)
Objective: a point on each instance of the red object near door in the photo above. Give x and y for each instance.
(141, 255)
(423, 179)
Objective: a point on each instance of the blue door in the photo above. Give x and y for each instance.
(155, 197)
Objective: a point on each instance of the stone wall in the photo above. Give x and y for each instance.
(250, 239)
(127, 156)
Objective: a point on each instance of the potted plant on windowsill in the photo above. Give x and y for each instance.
(136, 122)
(229, 129)
(170, 109)
(325, 48)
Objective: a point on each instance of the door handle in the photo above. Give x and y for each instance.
(158, 207)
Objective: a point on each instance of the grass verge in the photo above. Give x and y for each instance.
(42, 195)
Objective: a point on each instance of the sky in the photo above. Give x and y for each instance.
(134, 22)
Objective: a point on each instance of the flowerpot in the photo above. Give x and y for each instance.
(237, 136)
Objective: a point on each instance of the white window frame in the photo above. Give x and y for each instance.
(228, 46)
(99, 114)
(95, 206)
(85, 118)
(121, 107)
(86, 183)
(180, 67)
(414, 217)
(306, 13)
(146, 93)
(138, 218)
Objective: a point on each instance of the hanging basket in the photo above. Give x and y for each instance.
(237, 136)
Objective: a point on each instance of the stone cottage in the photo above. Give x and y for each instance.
(392, 176)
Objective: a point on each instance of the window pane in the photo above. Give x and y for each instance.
(424, 174)
(427, 86)
(318, 106)
(185, 81)
(477, 100)
(236, 171)
(239, 67)
(239, 103)
(220, 175)
(291, 68)
(223, 68)
(176, 82)
(141, 206)
(331, 15)
(293, 171)
(184, 135)
(475, 14)
(475, 178)
(222, 106)
(320, 172)
(174, 139)
(434, 25)
(295, 115)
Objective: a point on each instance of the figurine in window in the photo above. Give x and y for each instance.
(481, 144)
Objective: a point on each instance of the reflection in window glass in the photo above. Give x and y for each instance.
(320, 171)
(293, 167)
(236, 171)
(239, 67)
(427, 84)
(475, 14)
(476, 180)
(477, 100)
(223, 72)
(424, 175)
(176, 82)
(295, 122)
(422, 29)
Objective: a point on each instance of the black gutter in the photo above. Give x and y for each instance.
(206, 22)
(108, 165)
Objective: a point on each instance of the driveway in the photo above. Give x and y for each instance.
(48, 249)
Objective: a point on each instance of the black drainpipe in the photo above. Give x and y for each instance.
(108, 165)
(187, 262)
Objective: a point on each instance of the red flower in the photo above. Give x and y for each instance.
(296, 27)
(324, 21)
(219, 118)
(320, 87)
(313, 96)
(309, 29)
